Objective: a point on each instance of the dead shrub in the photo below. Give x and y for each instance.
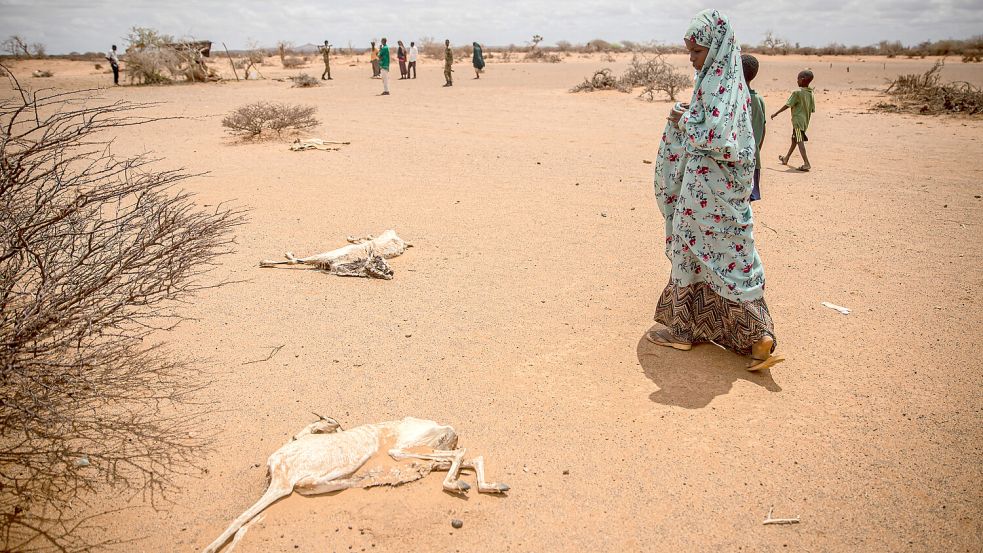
(292, 62)
(602, 80)
(98, 67)
(304, 81)
(96, 254)
(651, 73)
(654, 74)
(430, 48)
(153, 65)
(926, 93)
(251, 120)
(539, 55)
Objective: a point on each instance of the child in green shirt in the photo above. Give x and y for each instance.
(803, 105)
(749, 64)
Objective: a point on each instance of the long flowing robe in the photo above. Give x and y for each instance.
(477, 59)
(703, 181)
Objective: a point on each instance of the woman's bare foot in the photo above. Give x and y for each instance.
(805, 168)
(783, 159)
(663, 337)
(761, 356)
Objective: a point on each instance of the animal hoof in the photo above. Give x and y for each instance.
(459, 486)
(501, 488)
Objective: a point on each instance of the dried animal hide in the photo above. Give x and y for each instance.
(324, 458)
(315, 144)
(364, 257)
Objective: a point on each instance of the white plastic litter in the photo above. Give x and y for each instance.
(840, 308)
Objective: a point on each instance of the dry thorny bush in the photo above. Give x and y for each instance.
(251, 120)
(651, 73)
(539, 55)
(155, 58)
(304, 81)
(926, 93)
(97, 252)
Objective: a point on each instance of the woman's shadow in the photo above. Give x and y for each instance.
(691, 379)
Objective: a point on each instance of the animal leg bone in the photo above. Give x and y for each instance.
(451, 483)
(270, 497)
(478, 465)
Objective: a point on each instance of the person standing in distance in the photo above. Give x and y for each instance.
(114, 63)
(448, 62)
(375, 61)
(414, 53)
(326, 53)
(384, 67)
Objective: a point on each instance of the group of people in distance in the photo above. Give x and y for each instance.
(707, 174)
(381, 60)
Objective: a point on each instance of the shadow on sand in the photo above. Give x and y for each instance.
(691, 379)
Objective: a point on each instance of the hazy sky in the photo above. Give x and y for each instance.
(82, 25)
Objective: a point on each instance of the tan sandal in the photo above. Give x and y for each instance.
(663, 337)
(761, 356)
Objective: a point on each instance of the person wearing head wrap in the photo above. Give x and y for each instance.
(477, 59)
(703, 178)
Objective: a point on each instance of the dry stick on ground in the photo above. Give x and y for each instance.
(274, 351)
(96, 254)
(770, 520)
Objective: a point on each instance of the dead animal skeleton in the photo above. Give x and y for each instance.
(323, 458)
(315, 144)
(363, 257)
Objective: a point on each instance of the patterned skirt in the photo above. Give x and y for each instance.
(697, 314)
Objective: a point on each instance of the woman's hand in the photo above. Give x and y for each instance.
(675, 114)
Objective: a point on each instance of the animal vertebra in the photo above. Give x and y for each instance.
(323, 458)
(364, 257)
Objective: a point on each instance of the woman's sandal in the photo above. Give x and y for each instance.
(663, 337)
(761, 357)
(804, 168)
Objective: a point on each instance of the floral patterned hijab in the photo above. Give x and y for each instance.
(718, 122)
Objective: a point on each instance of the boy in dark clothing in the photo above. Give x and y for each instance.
(758, 120)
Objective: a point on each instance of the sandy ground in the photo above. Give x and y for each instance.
(519, 318)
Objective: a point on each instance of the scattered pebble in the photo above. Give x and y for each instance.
(647, 162)
(409, 335)
(457, 523)
(604, 214)
(566, 472)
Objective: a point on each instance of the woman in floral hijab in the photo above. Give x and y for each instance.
(702, 183)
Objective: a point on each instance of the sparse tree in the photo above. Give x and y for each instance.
(773, 44)
(251, 120)
(96, 254)
(17, 46)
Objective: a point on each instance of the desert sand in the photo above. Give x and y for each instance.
(519, 315)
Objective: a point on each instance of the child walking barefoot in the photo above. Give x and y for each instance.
(803, 105)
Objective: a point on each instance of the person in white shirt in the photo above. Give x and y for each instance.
(414, 53)
(114, 63)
